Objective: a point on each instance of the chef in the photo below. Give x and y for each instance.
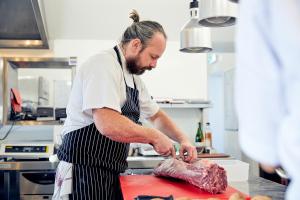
(107, 101)
(268, 85)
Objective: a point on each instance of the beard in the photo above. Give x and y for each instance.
(134, 68)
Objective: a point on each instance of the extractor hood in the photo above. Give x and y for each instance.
(22, 25)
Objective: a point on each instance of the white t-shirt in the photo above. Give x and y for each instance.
(99, 83)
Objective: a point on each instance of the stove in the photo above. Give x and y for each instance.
(27, 150)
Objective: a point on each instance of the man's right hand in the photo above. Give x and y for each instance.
(163, 145)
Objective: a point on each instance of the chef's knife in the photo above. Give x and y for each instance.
(148, 197)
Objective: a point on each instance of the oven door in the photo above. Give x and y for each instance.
(37, 184)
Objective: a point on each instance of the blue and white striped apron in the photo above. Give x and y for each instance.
(97, 160)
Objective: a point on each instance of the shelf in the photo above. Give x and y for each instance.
(184, 105)
(33, 122)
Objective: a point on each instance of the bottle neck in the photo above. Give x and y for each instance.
(199, 124)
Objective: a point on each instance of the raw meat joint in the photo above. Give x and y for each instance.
(206, 175)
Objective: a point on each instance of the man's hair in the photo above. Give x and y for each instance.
(143, 30)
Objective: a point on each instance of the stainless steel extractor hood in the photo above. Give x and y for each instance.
(22, 25)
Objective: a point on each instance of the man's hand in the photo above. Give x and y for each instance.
(187, 151)
(267, 168)
(163, 145)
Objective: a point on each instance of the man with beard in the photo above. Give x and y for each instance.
(108, 99)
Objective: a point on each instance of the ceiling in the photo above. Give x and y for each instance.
(106, 20)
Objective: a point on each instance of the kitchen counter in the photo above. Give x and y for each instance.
(27, 165)
(260, 186)
(15, 165)
(143, 165)
(140, 162)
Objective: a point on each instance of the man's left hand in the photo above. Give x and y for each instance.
(267, 168)
(187, 152)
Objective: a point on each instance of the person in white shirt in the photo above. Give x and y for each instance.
(268, 85)
(107, 101)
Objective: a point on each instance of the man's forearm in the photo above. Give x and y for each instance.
(119, 128)
(162, 122)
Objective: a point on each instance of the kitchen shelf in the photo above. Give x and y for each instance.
(33, 122)
(9, 67)
(184, 105)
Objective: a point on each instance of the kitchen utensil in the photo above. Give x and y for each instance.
(146, 197)
(281, 173)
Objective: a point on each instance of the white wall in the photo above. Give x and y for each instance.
(178, 75)
(27, 133)
(224, 62)
(215, 113)
(186, 119)
(224, 139)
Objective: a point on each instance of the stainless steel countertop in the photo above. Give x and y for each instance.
(133, 162)
(260, 186)
(140, 162)
(27, 165)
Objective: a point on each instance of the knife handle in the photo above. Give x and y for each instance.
(148, 197)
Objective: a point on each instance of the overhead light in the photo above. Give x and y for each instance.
(195, 38)
(235, 1)
(217, 13)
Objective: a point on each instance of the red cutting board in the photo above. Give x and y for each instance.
(135, 185)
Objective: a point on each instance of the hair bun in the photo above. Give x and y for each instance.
(134, 16)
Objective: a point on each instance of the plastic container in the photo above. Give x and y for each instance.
(236, 170)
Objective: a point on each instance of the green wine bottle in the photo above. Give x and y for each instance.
(199, 139)
(199, 135)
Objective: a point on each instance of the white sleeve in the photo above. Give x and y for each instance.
(286, 32)
(257, 85)
(101, 84)
(147, 105)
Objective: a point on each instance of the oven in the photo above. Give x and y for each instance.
(36, 185)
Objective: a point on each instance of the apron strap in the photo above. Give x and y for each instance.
(118, 55)
(120, 62)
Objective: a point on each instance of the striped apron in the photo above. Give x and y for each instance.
(97, 160)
